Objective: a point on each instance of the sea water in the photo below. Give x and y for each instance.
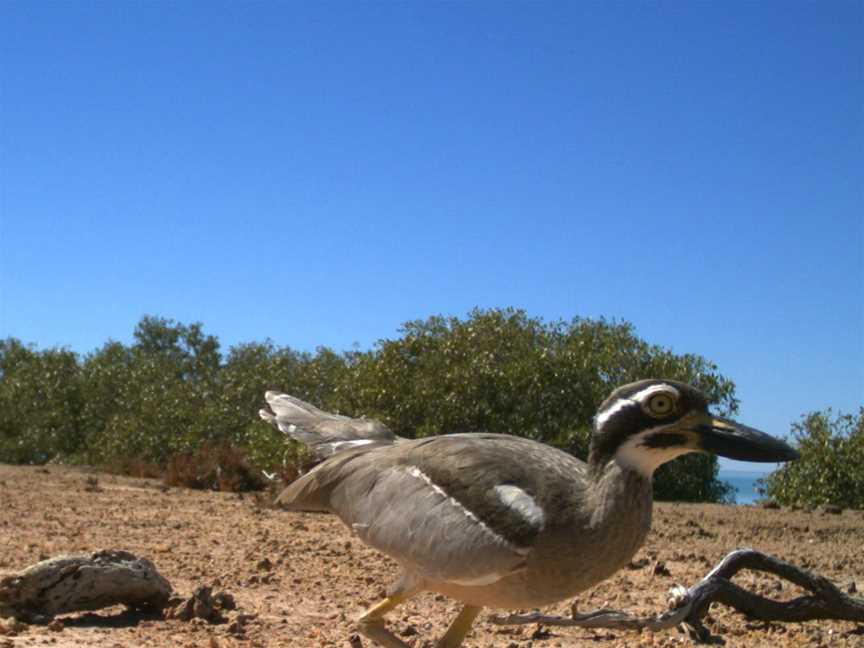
(744, 484)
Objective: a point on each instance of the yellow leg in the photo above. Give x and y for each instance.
(460, 627)
(371, 622)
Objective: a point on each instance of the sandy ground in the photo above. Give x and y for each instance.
(302, 578)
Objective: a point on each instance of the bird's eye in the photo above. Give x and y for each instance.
(660, 405)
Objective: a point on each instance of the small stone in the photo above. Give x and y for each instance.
(56, 625)
(660, 569)
(225, 600)
(540, 632)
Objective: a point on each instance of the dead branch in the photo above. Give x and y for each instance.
(688, 607)
(82, 582)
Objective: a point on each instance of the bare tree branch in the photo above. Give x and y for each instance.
(688, 607)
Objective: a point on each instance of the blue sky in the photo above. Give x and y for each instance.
(319, 173)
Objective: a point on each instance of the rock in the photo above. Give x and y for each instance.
(660, 569)
(91, 485)
(225, 600)
(12, 627)
(73, 583)
(200, 605)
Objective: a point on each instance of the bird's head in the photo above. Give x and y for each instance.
(647, 423)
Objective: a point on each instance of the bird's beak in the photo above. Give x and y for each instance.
(727, 438)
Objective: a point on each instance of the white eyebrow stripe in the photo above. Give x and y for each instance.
(643, 395)
(617, 406)
(636, 399)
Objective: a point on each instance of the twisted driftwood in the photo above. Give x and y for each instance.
(688, 607)
(82, 582)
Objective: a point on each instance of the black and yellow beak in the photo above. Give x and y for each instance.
(729, 439)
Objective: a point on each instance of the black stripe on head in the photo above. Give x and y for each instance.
(621, 416)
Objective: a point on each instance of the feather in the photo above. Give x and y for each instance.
(324, 433)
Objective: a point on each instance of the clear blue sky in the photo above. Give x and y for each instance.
(319, 173)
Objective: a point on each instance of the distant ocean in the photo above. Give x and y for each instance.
(744, 483)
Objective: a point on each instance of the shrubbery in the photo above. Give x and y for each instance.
(172, 392)
(831, 468)
(214, 467)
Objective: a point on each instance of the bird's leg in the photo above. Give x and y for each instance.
(371, 622)
(459, 628)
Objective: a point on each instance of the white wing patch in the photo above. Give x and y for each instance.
(355, 443)
(521, 502)
(488, 579)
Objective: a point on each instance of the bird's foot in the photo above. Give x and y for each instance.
(375, 630)
(460, 627)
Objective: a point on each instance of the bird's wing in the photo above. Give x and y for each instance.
(460, 508)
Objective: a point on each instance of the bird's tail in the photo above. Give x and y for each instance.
(324, 433)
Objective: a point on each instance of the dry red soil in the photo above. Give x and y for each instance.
(301, 578)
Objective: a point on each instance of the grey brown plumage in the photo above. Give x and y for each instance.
(496, 520)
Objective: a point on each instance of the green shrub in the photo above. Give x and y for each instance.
(214, 467)
(503, 371)
(40, 403)
(831, 468)
(171, 393)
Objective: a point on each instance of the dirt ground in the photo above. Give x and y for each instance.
(301, 578)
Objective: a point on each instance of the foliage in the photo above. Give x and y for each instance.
(40, 403)
(214, 467)
(502, 371)
(172, 392)
(831, 468)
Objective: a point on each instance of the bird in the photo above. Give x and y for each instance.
(497, 520)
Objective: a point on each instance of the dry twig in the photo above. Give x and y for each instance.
(688, 607)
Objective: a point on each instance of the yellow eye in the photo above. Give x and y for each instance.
(660, 405)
